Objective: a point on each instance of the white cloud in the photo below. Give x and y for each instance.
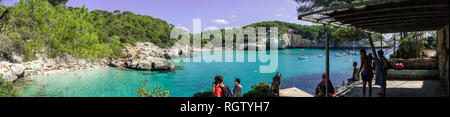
(291, 2)
(283, 16)
(278, 15)
(233, 16)
(220, 21)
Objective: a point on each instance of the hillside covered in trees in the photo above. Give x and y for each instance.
(57, 30)
(313, 32)
(49, 27)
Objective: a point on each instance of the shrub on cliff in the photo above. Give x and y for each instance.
(204, 94)
(260, 90)
(157, 91)
(7, 89)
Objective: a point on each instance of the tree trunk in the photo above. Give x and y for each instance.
(374, 53)
(395, 42)
(381, 41)
(327, 48)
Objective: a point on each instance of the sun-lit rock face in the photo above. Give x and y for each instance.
(146, 56)
(10, 71)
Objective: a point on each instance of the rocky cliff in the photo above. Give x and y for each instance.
(43, 65)
(291, 40)
(145, 56)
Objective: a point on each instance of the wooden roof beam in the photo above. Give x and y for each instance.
(334, 24)
(375, 17)
(371, 2)
(388, 9)
(395, 22)
(390, 30)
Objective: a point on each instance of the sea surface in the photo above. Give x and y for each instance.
(303, 73)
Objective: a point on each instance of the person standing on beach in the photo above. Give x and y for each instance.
(366, 72)
(237, 88)
(381, 73)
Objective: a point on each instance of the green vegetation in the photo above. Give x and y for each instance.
(313, 32)
(311, 5)
(145, 91)
(49, 27)
(308, 32)
(52, 28)
(132, 28)
(344, 34)
(57, 2)
(414, 44)
(7, 89)
(204, 94)
(260, 90)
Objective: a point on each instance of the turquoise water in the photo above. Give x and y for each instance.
(194, 76)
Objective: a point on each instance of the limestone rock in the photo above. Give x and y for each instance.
(150, 57)
(17, 69)
(9, 76)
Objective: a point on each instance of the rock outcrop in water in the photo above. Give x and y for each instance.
(145, 56)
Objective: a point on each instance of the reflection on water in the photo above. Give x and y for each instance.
(194, 76)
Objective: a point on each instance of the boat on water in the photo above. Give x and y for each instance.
(320, 56)
(339, 55)
(302, 57)
(351, 52)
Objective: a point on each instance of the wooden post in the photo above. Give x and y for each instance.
(395, 41)
(327, 48)
(374, 53)
(381, 41)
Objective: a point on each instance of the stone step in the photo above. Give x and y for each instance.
(412, 74)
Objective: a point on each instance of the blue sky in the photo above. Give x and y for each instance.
(218, 13)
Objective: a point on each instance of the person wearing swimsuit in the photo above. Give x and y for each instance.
(366, 72)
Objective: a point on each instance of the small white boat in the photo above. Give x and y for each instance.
(320, 56)
(302, 57)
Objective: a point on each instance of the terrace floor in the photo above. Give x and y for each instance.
(294, 92)
(402, 88)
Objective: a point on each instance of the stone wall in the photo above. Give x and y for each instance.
(415, 63)
(442, 54)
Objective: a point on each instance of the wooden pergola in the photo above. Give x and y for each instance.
(382, 16)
